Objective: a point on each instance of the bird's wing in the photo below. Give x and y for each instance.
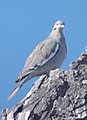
(42, 54)
(48, 51)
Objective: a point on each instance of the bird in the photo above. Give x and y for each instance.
(48, 55)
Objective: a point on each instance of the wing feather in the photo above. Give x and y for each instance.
(45, 51)
(42, 54)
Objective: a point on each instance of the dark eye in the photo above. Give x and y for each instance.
(57, 24)
(54, 29)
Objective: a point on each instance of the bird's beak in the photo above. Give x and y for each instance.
(62, 26)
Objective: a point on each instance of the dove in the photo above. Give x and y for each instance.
(48, 55)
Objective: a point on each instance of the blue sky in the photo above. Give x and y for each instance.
(23, 24)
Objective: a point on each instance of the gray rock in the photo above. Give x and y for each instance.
(61, 96)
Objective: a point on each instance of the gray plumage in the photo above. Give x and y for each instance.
(48, 55)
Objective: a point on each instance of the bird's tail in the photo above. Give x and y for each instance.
(13, 93)
(15, 90)
(19, 85)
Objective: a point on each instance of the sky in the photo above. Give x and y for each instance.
(23, 24)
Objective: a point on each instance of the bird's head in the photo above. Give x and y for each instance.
(59, 26)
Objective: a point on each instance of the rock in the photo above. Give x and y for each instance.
(61, 96)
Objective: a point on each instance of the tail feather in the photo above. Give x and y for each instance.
(18, 79)
(19, 85)
(13, 93)
(21, 76)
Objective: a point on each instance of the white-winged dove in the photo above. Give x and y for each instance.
(48, 55)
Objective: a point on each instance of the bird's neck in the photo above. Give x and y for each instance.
(58, 34)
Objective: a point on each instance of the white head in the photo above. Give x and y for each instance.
(59, 26)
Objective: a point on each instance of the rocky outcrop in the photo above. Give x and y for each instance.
(61, 96)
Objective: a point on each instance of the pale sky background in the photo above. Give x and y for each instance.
(23, 24)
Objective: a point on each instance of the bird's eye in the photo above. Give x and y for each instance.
(54, 29)
(57, 24)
